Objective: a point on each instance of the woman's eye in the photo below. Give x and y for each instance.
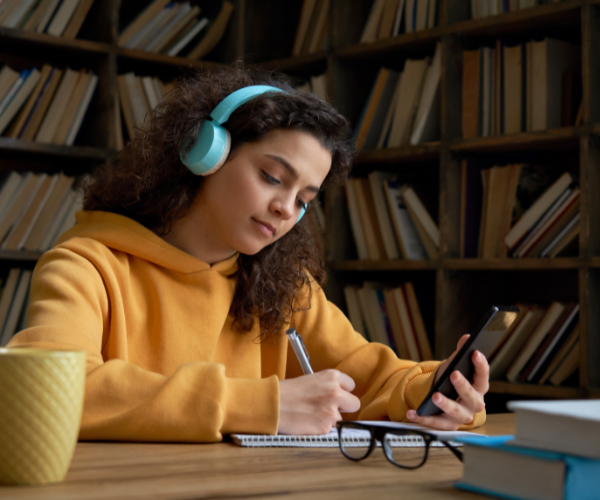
(270, 179)
(301, 204)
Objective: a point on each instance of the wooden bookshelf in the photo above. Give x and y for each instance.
(464, 288)
(262, 31)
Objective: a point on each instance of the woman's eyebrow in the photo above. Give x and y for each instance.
(293, 172)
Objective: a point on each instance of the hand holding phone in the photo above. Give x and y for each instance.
(484, 339)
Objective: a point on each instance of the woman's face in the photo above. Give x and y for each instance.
(258, 194)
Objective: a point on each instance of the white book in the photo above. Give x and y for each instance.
(14, 88)
(52, 230)
(412, 200)
(407, 235)
(355, 224)
(81, 110)
(372, 303)
(178, 47)
(40, 179)
(18, 13)
(10, 284)
(62, 17)
(421, 17)
(383, 216)
(179, 14)
(19, 98)
(410, 87)
(426, 127)
(574, 221)
(41, 27)
(151, 25)
(69, 221)
(15, 307)
(170, 11)
(369, 33)
(354, 314)
(38, 212)
(570, 427)
(9, 191)
(150, 91)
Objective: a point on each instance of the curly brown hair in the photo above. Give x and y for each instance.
(148, 183)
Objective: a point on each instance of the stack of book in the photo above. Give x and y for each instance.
(55, 17)
(541, 346)
(526, 87)
(485, 8)
(35, 209)
(14, 303)
(175, 29)
(389, 18)
(311, 34)
(555, 454)
(139, 95)
(46, 105)
(490, 226)
(389, 316)
(389, 221)
(403, 107)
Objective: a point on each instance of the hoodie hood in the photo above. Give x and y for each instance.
(123, 234)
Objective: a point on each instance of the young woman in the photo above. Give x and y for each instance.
(180, 287)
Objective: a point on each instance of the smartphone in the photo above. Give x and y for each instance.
(484, 339)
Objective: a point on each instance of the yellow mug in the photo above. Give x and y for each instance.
(41, 401)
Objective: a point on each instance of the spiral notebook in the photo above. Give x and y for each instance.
(356, 438)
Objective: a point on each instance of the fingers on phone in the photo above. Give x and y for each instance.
(481, 378)
(438, 422)
(470, 399)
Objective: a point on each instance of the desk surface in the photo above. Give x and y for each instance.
(224, 470)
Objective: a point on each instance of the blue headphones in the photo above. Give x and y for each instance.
(213, 145)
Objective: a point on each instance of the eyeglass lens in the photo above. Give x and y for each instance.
(356, 442)
(408, 451)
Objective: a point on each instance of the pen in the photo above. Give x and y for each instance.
(300, 350)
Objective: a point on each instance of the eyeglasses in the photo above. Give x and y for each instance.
(406, 448)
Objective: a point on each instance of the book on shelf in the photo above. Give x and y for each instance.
(49, 105)
(384, 20)
(529, 86)
(54, 17)
(403, 107)
(16, 307)
(176, 29)
(390, 316)
(17, 97)
(500, 467)
(311, 33)
(486, 8)
(388, 220)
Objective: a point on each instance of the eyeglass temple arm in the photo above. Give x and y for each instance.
(458, 453)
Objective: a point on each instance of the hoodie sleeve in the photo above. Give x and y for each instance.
(70, 310)
(387, 386)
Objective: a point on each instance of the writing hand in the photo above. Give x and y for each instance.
(470, 401)
(312, 404)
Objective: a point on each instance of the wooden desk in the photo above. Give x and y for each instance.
(223, 470)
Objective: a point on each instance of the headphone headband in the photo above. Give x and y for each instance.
(234, 100)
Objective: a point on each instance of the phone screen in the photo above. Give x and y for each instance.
(485, 338)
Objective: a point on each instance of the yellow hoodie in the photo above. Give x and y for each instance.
(163, 363)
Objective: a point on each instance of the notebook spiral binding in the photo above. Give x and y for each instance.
(328, 441)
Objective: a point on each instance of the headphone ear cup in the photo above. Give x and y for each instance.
(210, 151)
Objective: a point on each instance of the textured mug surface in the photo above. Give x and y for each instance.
(41, 400)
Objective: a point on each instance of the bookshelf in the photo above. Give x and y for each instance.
(453, 292)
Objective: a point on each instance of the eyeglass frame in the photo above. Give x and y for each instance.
(378, 433)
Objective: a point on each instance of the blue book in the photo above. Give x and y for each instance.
(493, 466)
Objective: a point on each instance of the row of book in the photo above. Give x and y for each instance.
(311, 34)
(14, 303)
(55, 17)
(175, 29)
(486, 8)
(389, 316)
(317, 85)
(139, 95)
(389, 18)
(46, 105)
(389, 221)
(525, 87)
(554, 454)
(403, 106)
(495, 223)
(35, 209)
(542, 345)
